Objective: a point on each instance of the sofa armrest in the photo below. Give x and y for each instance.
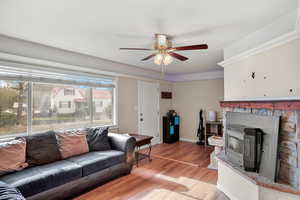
(9, 192)
(125, 143)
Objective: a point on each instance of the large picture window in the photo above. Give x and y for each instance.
(13, 107)
(103, 106)
(30, 106)
(53, 109)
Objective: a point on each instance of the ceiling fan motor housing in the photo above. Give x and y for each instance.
(162, 42)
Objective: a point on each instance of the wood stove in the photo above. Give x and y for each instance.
(243, 146)
(251, 142)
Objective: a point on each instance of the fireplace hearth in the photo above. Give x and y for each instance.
(252, 185)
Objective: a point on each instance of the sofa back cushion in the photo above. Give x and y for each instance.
(42, 148)
(97, 139)
(12, 155)
(72, 143)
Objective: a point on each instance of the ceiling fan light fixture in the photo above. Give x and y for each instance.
(158, 59)
(168, 59)
(165, 52)
(161, 58)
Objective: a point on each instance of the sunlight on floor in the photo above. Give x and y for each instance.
(193, 190)
(164, 178)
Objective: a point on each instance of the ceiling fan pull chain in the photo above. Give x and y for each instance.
(163, 65)
(163, 70)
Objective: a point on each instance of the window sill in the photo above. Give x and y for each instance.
(14, 135)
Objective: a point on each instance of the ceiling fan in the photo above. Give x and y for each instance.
(164, 52)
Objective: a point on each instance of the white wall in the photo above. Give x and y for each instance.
(276, 72)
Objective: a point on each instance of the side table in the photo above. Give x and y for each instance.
(142, 140)
(212, 129)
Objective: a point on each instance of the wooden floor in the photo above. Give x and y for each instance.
(177, 171)
(185, 152)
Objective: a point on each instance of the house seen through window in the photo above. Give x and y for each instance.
(52, 107)
(69, 91)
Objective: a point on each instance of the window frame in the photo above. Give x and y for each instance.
(30, 102)
(66, 90)
(64, 104)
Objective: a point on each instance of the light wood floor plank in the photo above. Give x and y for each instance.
(177, 171)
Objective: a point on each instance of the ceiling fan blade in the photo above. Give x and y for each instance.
(192, 47)
(144, 49)
(148, 57)
(177, 56)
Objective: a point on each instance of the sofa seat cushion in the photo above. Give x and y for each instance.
(98, 160)
(31, 181)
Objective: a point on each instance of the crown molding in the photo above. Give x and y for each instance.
(282, 25)
(262, 48)
(218, 74)
(279, 32)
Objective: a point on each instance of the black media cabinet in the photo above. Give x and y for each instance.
(171, 129)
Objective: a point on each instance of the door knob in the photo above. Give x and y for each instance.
(141, 119)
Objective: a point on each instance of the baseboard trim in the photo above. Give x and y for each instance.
(188, 140)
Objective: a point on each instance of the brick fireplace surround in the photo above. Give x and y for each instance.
(289, 136)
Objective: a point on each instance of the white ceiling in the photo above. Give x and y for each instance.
(99, 28)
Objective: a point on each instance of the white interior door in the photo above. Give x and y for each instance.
(148, 104)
